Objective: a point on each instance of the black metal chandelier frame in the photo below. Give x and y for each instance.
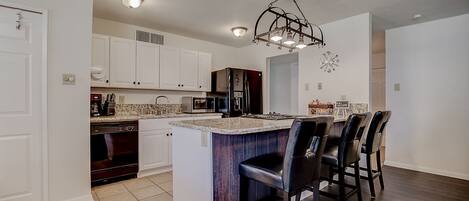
(292, 24)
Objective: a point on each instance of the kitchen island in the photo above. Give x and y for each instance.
(206, 154)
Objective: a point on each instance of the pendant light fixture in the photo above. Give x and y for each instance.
(287, 29)
(132, 3)
(277, 36)
(289, 40)
(301, 43)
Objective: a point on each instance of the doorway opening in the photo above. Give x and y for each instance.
(283, 83)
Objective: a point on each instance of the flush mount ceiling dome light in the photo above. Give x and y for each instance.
(239, 31)
(132, 3)
(287, 29)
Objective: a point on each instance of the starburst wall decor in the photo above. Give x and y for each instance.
(329, 61)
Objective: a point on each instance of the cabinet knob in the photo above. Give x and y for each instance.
(167, 134)
(179, 85)
(107, 81)
(171, 134)
(134, 82)
(200, 86)
(182, 85)
(138, 83)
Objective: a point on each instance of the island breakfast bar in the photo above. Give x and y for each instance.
(206, 154)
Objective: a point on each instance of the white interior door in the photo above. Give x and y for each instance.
(21, 107)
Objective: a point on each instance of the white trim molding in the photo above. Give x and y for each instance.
(88, 197)
(427, 170)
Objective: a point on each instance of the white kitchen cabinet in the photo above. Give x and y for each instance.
(147, 66)
(154, 149)
(189, 70)
(100, 60)
(205, 71)
(170, 68)
(122, 62)
(155, 144)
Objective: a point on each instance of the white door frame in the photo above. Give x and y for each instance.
(44, 137)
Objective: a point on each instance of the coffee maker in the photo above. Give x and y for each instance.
(96, 108)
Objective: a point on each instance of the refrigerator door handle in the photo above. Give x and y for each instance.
(248, 98)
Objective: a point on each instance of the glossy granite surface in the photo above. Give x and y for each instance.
(237, 126)
(134, 117)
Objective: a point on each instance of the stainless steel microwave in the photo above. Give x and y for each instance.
(198, 104)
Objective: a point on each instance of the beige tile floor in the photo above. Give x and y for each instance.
(152, 188)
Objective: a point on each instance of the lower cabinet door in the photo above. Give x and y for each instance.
(154, 149)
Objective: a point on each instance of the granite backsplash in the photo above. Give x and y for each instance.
(146, 109)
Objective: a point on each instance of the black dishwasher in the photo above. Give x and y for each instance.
(114, 152)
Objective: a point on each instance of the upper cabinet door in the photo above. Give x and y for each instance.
(148, 65)
(169, 68)
(122, 62)
(189, 70)
(100, 61)
(205, 71)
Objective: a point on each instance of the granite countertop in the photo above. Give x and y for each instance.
(237, 126)
(135, 117)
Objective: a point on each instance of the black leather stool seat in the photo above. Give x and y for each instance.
(330, 156)
(266, 169)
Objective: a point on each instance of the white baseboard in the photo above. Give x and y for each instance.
(82, 198)
(155, 171)
(427, 170)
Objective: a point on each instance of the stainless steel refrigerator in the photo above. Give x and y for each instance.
(237, 91)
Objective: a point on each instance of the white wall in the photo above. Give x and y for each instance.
(69, 51)
(222, 56)
(351, 39)
(428, 128)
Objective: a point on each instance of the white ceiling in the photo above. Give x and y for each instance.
(212, 20)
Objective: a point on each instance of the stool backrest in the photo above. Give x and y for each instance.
(306, 142)
(375, 131)
(351, 139)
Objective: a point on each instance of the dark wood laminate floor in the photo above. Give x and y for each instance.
(407, 185)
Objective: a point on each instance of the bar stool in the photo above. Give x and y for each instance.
(372, 146)
(342, 152)
(299, 167)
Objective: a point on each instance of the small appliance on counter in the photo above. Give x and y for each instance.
(198, 104)
(109, 106)
(98, 108)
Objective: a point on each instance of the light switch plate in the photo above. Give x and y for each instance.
(397, 87)
(319, 85)
(68, 79)
(307, 87)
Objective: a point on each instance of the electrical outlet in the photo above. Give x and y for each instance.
(319, 85)
(397, 87)
(68, 79)
(121, 99)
